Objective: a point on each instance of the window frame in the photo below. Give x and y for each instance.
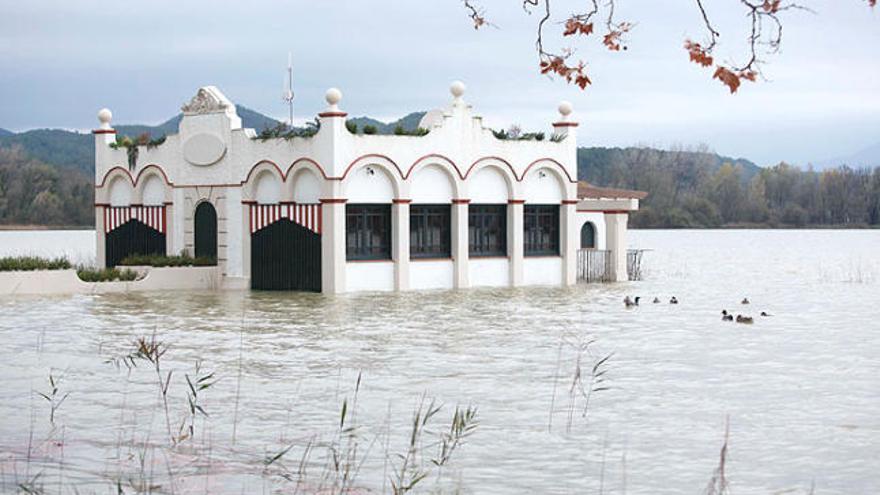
(420, 218)
(365, 216)
(486, 218)
(541, 230)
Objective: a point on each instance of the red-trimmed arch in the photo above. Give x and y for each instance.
(359, 159)
(303, 162)
(110, 172)
(150, 167)
(256, 165)
(433, 156)
(549, 161)
(495, 158)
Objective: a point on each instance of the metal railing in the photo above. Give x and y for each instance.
(597, 265)
(594, 265)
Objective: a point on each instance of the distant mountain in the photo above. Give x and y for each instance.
(75, 150)
(4, 132)
(603, 165)
(409, 122)
(868, 157)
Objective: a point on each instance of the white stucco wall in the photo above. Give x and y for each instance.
(369, 276)
(369, 184)
(268, 189)
(153, 191)
(120, 192)
(489, 272)
(431, 274)
(542, 270)
(543, 186)
(431, 185)
(488, 185)
(306, 187)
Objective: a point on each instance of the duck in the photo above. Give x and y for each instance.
(765, 314)
(674, 300)
(748, 320)
(656, 300)
(630, 303)
(725, 316)
(745, 300)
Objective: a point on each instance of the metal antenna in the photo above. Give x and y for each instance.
(287, 92)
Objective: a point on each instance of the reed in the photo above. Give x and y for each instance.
(718, 484)
(53, 396)
(197, 384)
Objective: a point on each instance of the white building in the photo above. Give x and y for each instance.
(338, 212)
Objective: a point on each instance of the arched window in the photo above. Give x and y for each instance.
(588, 236)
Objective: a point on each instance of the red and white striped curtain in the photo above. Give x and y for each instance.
(307, 215)
(152, 216)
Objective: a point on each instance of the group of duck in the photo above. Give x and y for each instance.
(748, 320)
(630, 303)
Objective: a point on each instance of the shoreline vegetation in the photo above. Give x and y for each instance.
(687, 188)
(97, 274)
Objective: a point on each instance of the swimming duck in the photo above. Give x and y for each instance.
(630, 303)
(673, 300)
(745, 300)
(748, 320)
(725, 316)
(763, 313)
(656, 300)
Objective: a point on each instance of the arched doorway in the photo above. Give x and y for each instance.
(588, 236)
(286, 256)
(132, 238)
(206, 231)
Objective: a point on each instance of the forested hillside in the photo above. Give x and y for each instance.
(46, 178)
(34, 193)
(700, 189)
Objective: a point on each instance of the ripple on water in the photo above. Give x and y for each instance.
(800, 388)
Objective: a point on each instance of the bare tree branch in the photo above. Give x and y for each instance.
(765, 37)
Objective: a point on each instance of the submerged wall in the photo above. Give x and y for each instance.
(48, 282)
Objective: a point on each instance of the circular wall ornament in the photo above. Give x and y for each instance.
(203, 149)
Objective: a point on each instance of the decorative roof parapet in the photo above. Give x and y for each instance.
(208, 100)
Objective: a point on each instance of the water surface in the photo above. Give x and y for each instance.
(801, 388)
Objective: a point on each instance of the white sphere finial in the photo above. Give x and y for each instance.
(457, 89)
(104, 117)
(333, 97)
(565, 109)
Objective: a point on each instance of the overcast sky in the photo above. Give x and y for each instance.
(60, 61)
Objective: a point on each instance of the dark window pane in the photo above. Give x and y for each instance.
(367, 231)
(541, 230)
(487, 230)
(430, 231)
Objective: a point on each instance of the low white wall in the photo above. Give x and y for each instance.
(489, 272)
(47, 282)
(369, 275)
(433, 274)
(542, 271)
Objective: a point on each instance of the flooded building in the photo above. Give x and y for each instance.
(452, 206)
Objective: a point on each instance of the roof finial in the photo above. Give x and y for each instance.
(565, 109)
(457, 89)
(333, 97)
(104, 117)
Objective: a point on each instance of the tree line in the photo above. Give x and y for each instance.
(691, 189)
(34, 193)
(687, 189)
